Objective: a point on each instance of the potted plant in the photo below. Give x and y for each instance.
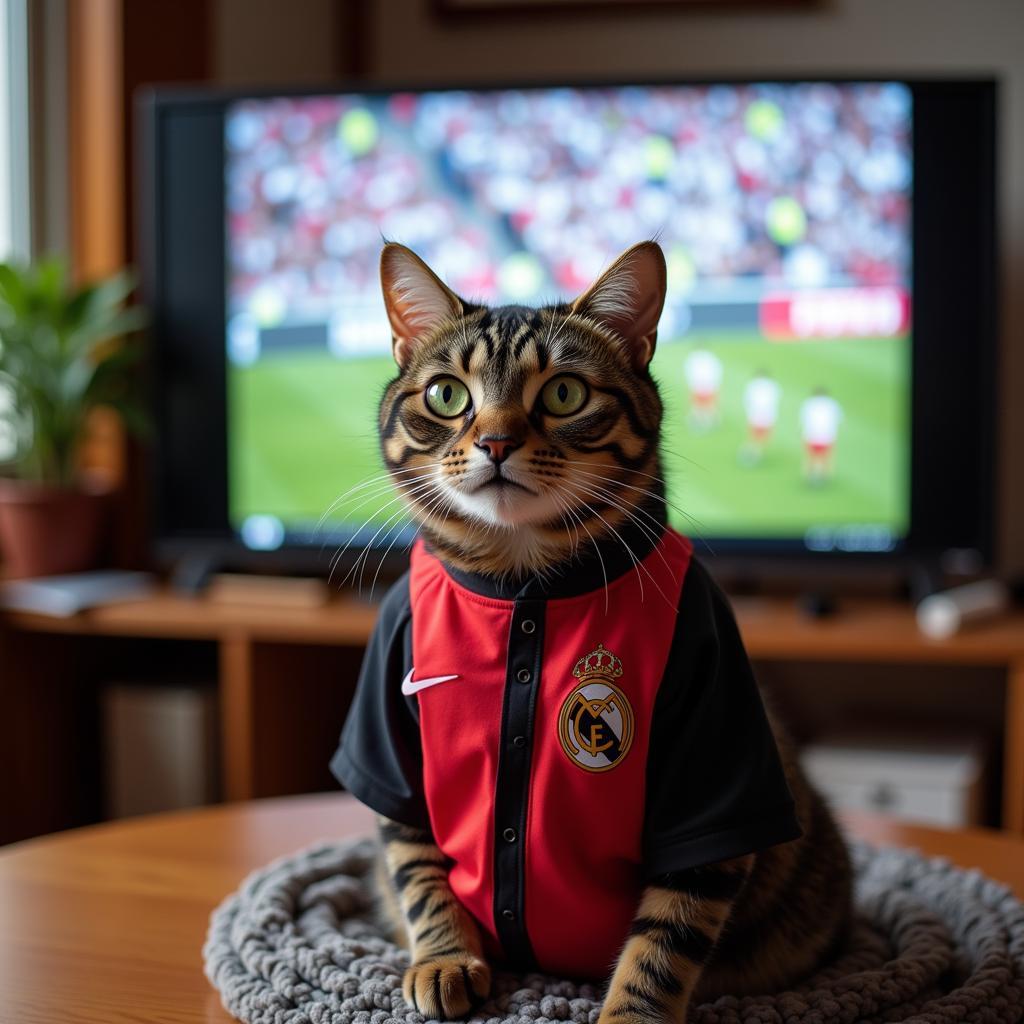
(64, 351)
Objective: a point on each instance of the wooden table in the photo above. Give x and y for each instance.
(104, 925)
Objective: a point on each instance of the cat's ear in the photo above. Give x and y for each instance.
(416, 299)
(628, 297)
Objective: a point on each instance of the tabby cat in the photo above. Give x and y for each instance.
(525, 442)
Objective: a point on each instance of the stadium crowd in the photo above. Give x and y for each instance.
(525, 195)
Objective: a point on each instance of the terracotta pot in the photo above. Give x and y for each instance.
(47, 530)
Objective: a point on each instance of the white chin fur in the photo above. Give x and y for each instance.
(507, 508)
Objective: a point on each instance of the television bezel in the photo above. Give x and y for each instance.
(975, 502)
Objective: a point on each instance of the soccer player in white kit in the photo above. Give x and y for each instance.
(761, 404)
(820, 416)
(703, 370)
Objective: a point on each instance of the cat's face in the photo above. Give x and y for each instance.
(514, 434)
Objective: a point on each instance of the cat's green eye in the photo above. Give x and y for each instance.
(448, 397)
(562, 396)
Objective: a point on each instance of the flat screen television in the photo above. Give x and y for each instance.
(826, 353)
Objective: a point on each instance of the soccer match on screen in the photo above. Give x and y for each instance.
(783, 355)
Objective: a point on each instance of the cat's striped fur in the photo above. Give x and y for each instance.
(752, 924)
(449, 975)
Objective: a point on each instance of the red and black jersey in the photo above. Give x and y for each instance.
(565, 741)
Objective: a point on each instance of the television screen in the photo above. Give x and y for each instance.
(784, 351)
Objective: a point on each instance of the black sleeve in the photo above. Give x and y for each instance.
(379, 759)
(715, 784)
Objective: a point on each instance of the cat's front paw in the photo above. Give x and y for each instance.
(447, 987)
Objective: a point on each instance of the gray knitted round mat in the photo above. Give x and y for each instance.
(298, 944)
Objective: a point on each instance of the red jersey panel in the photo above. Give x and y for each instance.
(459, 633)
(577, 751)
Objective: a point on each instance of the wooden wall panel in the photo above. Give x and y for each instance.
(96, 130)
(115, 49)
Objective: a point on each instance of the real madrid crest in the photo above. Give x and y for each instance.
(595, 724)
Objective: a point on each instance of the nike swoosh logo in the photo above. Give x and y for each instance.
(410, 687)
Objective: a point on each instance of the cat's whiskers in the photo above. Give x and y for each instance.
(665, 450)
(381, 491)
(397, 488)
(697, 524)
(610, 493)
(568, 526)
(367, 482)
(364, 554)
(548, 484)
(383, 559)
(637, 563)
(597, 549)
(654, 531)
(621, 469)
(441, 496)
(648, 534)
(429, 509)
(560, 502)
(412, 540)
(654, 536)
(392, 530)
(657, 497)
(340, 554)
(336, 559)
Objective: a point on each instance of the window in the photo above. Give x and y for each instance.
(15, 240)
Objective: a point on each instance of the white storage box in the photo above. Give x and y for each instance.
(933, 783)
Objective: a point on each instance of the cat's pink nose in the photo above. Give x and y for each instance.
(498, 446)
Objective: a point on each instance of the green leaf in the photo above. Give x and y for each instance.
(116, 324)
(93, 301)
(75, 381)
(13, 292)
(60, 346)
(49, 283)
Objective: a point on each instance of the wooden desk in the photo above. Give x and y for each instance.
(285, 675)
(105, 924)
(773, 627)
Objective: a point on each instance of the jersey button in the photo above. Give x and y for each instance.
(528, 625)
(524, 675)
(508, 915)
(509, 835)
(518, 741)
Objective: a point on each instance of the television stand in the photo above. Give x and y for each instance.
(285, 678)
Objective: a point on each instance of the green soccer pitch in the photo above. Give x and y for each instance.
(303, 433)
